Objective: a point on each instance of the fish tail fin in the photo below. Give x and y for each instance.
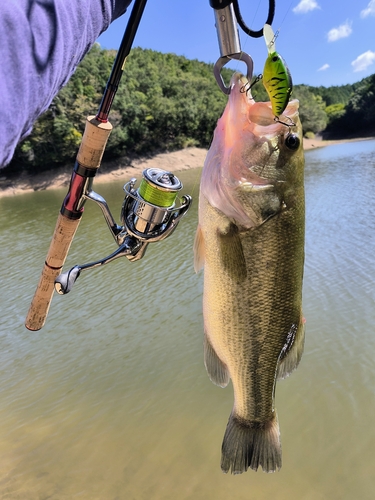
(251, 444)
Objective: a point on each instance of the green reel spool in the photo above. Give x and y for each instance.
(159, 187)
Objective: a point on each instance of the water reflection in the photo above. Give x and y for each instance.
(111, 400)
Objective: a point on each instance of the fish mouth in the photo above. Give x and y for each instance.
(245, 152)
(259, 113)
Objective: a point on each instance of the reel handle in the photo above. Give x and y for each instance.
(89, 157)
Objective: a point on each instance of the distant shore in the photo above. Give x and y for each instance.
(122, 171)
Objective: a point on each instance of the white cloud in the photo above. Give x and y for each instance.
(342, 31)
(363, 61)
(324, 67)
(370, 10)
(305, 6)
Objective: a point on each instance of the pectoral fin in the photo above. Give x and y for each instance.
(216, 369)
(199, 252)
(292, 352)
(266, 202)
(231, 252)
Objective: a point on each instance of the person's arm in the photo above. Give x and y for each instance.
(41, 44)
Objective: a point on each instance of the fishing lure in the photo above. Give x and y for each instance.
(276, 76)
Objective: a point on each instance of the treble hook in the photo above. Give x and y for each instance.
(289, 125)
(248, 86)
(292, 140)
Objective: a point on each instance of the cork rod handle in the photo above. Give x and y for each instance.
(90, 154)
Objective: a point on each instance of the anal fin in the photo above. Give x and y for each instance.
(216, 369)
(292, 353)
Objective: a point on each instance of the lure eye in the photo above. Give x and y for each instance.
(292, 142)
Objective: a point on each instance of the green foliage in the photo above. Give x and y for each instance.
(333, 95)
(357, 118)
(312, 109)
(349, 109)
(57, 133)
(310, 135)
(335, 111)
(166, 102)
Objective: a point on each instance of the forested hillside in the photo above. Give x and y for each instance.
(338, 112)
(166, 102)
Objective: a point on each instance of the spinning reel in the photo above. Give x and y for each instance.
(148, 215)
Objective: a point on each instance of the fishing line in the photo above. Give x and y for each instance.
(159, 187)
(251, 24)
(277, 33)
(195, 188)
(246, 29)
(287, 12)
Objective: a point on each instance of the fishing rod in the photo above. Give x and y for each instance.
(148, 213)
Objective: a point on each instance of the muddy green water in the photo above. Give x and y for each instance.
(110, 400)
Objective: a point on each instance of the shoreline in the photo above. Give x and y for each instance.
(121, 170)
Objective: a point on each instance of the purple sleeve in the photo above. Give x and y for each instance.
(41, 44)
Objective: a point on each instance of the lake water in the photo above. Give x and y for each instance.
(110, 400)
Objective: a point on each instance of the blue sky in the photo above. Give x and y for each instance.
(324, 42)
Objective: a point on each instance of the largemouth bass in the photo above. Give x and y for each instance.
(250, 241)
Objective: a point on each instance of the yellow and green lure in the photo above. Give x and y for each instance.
(276, 76)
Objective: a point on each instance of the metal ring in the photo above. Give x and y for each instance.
(240, 56)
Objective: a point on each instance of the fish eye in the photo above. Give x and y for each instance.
(292, 141)
(275, 58)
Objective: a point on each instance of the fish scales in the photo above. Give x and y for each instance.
(250, 240)
(255, 299)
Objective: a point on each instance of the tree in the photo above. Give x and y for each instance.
(358, 116)
(312, 110)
